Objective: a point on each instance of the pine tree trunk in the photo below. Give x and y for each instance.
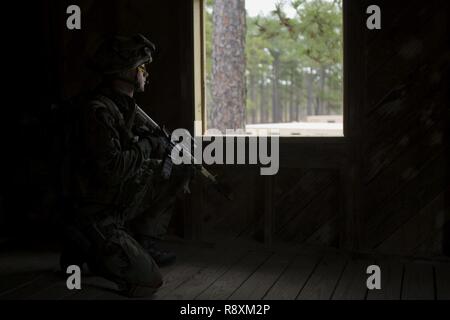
(321, 104)
(299, 109)
(253, 97)
(309, 102)
(263, 101)
(228, 68)
(291, 99)
(276, 105)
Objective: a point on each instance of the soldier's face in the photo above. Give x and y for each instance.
(142, 78)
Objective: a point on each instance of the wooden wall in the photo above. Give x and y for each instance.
(386, 187)
(406, 116)
(383, 187)
(162, 23)
(47, 63)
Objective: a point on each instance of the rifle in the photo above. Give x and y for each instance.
(221, 188)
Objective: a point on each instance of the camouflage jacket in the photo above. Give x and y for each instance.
(118, 161)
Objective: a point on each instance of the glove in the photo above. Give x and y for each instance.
(160, 147)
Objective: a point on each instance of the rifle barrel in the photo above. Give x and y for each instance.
(208, 175)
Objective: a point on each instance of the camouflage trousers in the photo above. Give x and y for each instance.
(152, 216)
(108, 238)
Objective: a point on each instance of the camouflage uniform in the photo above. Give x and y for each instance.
(120, 196)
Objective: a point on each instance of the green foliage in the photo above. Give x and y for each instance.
(208, 21)
(308, 46)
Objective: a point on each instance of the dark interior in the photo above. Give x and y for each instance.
(381, 192)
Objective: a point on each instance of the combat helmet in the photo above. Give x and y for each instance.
(116, 54)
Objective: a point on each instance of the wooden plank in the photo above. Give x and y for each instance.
(327, 234)
(428, 183)
(412, 105)
(293, 279)
(417, 230)
(224, 287)
(40, 284)
(20, 268)
(353, 283)
(315, 153)
(309, 186)
(45, 280)
(287, 181)
(307, 222)
(255, 287)
(224, 217)
(395, 151)
(425, 128)
(411, 100)
(193, 209)
(394, 12)
(98, 288)
(394, 41)
(217, 265)
(432, 246)
(268, 210)
(442, 281)
(184, 272)
(350, 213)
(13, 281)
(323, 281)
(391, 282)
(418, 283)
(415, 52)
(57, 291)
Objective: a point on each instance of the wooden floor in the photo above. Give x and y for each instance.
(241, 271)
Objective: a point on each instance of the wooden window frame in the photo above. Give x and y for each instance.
(338, 153)
(349, 37)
